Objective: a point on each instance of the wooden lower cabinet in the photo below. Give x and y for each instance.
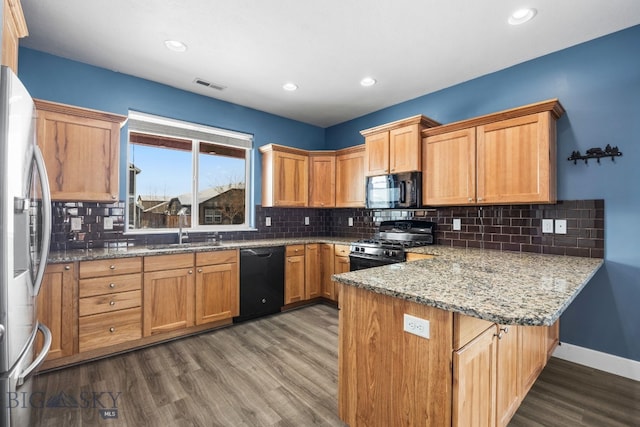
(553, 338)
(312, 271)
(217, 290)
(533, 355)
(294, 274)
(55, 308)
(327, 262)
(107, 329)
(341, 264)
(508, 395)
(169, 293)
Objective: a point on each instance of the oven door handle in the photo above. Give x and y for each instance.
(403, 192)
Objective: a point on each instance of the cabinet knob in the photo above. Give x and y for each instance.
(113, 197)
(199, 270)
(112, 285)
(480, 199)
(190, 271)
(470, 199)
(499, 335)
(112, 267)
(67, 267)
(505, 329)
(112, 329)
(112, 303)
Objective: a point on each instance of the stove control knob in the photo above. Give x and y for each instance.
(386, 252)
(392, 253)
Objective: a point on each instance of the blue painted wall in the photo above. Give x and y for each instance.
(56, 79)
(598, 83)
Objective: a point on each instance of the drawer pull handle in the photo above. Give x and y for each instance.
(67, 267)
(112, 302)
(112, 267)
(112, 285)
(112, 329)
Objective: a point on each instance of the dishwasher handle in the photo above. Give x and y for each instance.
(260, 252)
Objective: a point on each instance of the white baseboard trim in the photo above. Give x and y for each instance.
(598, 360)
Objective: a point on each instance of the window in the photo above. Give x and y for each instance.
(178, 168)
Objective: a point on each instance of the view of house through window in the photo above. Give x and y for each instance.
(172, 179)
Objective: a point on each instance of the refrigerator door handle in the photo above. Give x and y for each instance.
(38, 360)
(46, 218)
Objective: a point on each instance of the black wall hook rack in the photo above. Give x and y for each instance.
(595, 153)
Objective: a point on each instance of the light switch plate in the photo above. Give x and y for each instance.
(561, 226)
(417, 326)
(456, 224)
(267, 221)
(306, 220)
(108, 223)
(76, 224)
(547, 226)
(350, 222)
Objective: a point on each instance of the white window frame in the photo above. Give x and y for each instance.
(162, 126)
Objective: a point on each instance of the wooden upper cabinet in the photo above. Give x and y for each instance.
(14, 27)
(395, 147)
(322, 179)
(501, 158)
(350, 182)
(285, 176)
(81, 151)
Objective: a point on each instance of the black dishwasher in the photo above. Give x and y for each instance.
(261, 282)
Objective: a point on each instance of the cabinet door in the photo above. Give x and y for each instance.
(327, 263)
(517, 160)
(341, 265)
(291, 179)
(553, 338)
(168, 300)
(404, 149)
(76, 148)
(532, 355)
(56, 309)
(507, 375)
(474, 382)
(217, 293)
(312, 271)
(322, 181)
(294, 279)
(377, 154)
(350, 181)
(449, 168)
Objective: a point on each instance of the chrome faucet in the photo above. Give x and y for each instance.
(182, 214)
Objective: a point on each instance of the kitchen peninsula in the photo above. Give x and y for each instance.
(492, 325)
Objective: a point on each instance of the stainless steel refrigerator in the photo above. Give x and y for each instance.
(25, 230)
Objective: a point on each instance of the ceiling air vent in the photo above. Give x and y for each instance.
(209, 84)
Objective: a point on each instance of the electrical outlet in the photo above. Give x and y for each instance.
(267, 221)
(76, 224)
(350, 222)
(547, 226)
(561, 226)
(306, 220)
(417, 326)
(456, 224)
(108, 223)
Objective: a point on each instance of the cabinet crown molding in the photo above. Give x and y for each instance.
(284, 148)
(15, 8)
(414, 120)
(551, 105)
(87, 113)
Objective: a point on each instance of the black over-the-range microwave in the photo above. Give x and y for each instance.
(402, 190)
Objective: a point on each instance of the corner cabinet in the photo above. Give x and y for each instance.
(14, 27)
(285, 176)
(503, 158)
(79, 143)
(395, 147)
(322, 179)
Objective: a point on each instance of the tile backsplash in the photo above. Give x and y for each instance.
(509, 228)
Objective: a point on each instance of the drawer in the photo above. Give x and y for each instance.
(341, 250)
(104, 330)
(108, 285)
(110, 267)
(109, 302)
(466, 328)
(292, 250)
(168, 262)
(216, 257)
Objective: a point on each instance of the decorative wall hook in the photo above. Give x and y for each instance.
(595, 153)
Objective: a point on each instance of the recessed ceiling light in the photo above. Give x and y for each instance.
(368, 81)
(290, 86)
(521, 16)
(175, 45)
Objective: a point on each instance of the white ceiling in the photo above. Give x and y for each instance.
(253, 47)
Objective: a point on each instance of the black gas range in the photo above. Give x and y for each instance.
(390, 243)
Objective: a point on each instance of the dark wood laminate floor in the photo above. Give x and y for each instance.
(280, 371)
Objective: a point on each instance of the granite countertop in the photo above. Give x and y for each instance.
(133, 251)
(501, 287)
